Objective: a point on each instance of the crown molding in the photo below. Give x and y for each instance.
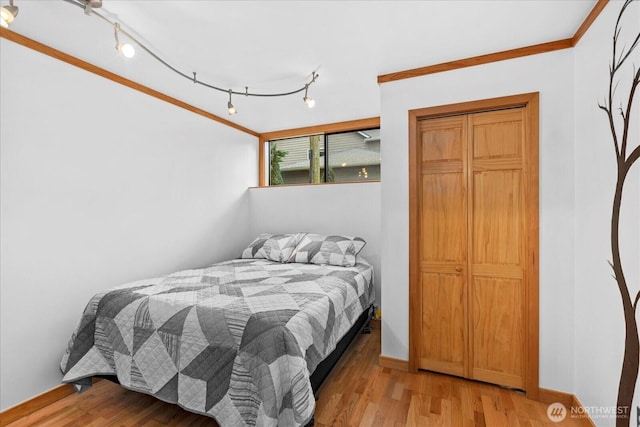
(499, 56)
(87, 66)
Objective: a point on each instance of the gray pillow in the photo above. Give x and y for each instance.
(333, 250)
(274, 247)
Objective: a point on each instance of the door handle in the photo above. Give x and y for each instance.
(459, 269)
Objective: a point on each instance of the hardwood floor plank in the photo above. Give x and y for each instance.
(413, 414)
(492, 414)
(398, 388)
(369, 417)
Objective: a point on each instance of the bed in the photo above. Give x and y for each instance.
(245, 341)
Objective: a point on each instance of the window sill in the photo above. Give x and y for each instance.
(318, 184)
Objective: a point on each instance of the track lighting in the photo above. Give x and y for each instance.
(126, 49)
(8, 14)
(232, 110)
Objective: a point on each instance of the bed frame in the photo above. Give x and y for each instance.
(324, 368)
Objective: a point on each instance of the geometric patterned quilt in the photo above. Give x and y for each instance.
(236, 341)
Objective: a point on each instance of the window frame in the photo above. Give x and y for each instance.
(340, 127)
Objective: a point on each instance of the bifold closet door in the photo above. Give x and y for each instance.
(497, 247)
(472, 244)
(443, 244)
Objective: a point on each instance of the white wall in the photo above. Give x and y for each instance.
(100, 185)
(346, 209)
(599, 339)
(550, 74)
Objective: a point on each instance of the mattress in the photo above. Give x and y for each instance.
(236, 341)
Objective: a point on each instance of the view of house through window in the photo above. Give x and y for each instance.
(334, 157)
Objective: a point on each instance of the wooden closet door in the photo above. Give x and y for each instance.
(442, 206)
(497, 228)
(472, 225)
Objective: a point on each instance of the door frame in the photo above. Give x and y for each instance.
(530, 103)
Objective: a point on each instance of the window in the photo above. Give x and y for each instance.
(332, 157)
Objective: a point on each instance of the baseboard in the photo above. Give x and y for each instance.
(390, 362)
(40, 401)
(568, 400)
(551, 396)
(577, 404)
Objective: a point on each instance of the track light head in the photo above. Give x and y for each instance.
(8, 14)
(126, 49)
(232, 110)
(89, 5)
(307, 99)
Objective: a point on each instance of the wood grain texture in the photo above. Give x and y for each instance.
(370, 181)
(550, 396)
(393, 363)
(502, 216)
(38, 402)
(415, 263)
(443, 252)
(490, 347)
(575, 403)
(263, 170)
(359, 392)
(498, 220)
(497, 228)
(64, 57)
(590, 19)
(443, 341)
(477, 60)
(442, 223)
(499, 233)
(346, 126)
(497, 325)
(532, 296)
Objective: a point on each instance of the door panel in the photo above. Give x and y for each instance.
(444, 323)
(497, 218)
(443, 222)
(442, 139)
(498, 134)
(497, 325)
(497, 229)
(443, 245)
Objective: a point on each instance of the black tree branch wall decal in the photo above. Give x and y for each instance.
(620, 119)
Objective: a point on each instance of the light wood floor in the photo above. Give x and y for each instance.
(357, 393)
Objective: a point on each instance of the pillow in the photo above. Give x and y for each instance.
(333, 250)
(274, 247)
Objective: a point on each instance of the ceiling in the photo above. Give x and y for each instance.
(274, 46)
